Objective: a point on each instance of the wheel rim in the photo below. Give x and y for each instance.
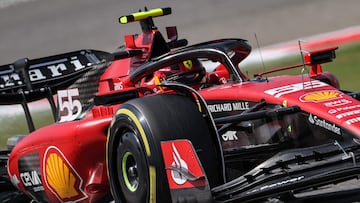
(129, 171)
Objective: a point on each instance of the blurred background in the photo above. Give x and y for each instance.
(36, 28)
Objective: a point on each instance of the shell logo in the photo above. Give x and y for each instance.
(321, 96)
(61, 178)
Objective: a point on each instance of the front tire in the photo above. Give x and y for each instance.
(135, 161)
(133, 167)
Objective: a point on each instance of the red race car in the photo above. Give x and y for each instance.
(161, 121)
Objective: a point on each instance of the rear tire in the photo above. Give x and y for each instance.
(135, 162)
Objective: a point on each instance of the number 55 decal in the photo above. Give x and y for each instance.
(69, 106)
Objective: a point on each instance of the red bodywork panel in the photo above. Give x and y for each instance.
(115, 76)
(66, 161)
(311, 95)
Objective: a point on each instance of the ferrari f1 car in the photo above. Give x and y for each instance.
(162, 121)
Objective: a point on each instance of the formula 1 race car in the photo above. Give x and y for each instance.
(162, 121)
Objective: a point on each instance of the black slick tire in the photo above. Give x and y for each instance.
(134, 157)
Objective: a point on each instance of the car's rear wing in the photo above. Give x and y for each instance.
(30, 80)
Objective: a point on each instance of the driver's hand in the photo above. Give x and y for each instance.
(213, 78)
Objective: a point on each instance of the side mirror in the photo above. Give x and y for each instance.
(172, 33)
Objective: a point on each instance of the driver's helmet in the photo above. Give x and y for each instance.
(189, 72)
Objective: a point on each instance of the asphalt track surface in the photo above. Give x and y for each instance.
(37, 28)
